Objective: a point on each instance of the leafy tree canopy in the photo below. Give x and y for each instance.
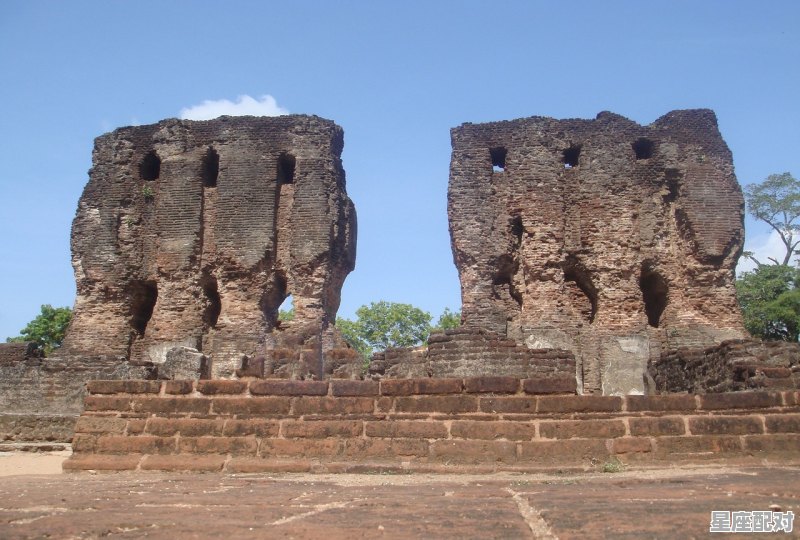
(389, 324)
(381, 325)
(770, 300)
(448, 319)
(47, 329)
(776, 202)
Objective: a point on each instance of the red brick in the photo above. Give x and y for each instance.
(474, 452)
(409, 387)
(740, 400)
(281, 387)
(631, 445)
(333, 405)
(178, 387)
(782, 423)
(791, 398)
(252, 405)
(419, 429)
(779, 384)
(384, 404)
(219, 445)
(102, 463)
(572, 451)
(254, 426)
(207, 463)
(221, 387)
(135, 426)
(776, 372)
(657, 427)
(257, 465)
(188, 427)
(193, 405)
(493, 385)
(123, 387)
(504, 429)
(106, 403)
(167, 405)
(321, 429)
(100, 424)
(301, 448)
(141, 444)
(523, 405)
(436, 404)
(675, 402)
(725, 425)
(708, 445)
(550, 385)
(778, 443)
(582, 429)
(82, 442)
(354, 388)
(567, 404)
(397, 387)
(384, 448)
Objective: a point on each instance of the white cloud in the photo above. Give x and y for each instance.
(762, 246)
(243, 106)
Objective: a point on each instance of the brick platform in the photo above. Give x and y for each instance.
(474, 424)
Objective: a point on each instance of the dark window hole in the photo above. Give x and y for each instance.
(150, 168)
(643, 148)
(655, 294)
(517, 228)
(286, 164)
(210, 168)
(213, 302)
(498, 156)
(143, 299)
(571, 156)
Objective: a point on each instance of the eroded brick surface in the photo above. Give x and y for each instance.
(608, 239)
(190, 234)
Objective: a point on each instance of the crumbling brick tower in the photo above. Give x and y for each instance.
(192, 233)
(609, 239)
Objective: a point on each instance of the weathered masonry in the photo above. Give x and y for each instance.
(475, 424)
(191, 234)
(614, 241)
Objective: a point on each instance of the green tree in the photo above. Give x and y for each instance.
(776, 202)
(448, 319)
(352, 334)
(285, 315)
(386, 324)
(47, 329)
(770, 300)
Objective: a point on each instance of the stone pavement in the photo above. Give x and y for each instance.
(646, 503)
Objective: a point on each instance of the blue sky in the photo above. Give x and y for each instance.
(396, 76)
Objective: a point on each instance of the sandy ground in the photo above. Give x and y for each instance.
(16, 463)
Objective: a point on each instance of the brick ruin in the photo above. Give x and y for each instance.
(583, 246)
(191, 234)
(474, 424)
(602, 237)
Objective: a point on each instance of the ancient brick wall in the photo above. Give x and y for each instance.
(478, 424)
(455, 353)
(192, 234)
(733, 365)
(40, 398)
(606, 238)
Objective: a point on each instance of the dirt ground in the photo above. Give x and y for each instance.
(36, 501)
(15, 463)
